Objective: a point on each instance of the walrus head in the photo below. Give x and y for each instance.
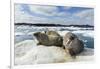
(40, 36)
(68, 38)
(72, 44)
(37, 35)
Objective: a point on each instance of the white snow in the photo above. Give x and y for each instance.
(27, 52)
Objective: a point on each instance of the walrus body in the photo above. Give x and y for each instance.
(48, 39)
(73, 44)
(54, 33)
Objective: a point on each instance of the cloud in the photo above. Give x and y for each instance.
(23, 17)
(86, 13)
(86, 17)
(20, 16)
(52, 14)
(48, 10)
(44, 10)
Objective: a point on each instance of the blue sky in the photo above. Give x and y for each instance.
(53, 14)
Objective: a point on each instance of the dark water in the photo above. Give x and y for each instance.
(88, 41)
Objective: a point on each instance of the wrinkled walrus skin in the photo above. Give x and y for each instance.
(72, 43)
(49, 39)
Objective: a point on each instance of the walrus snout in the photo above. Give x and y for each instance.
(36, 34)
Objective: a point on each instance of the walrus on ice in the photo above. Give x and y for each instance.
(49, 38)
(72, 44)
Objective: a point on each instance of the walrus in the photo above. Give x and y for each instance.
(48, 39)
(73, 44)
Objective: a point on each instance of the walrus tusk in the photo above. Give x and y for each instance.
(68, 43)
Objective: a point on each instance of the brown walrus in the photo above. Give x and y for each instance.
(49, 39)
(72, 43)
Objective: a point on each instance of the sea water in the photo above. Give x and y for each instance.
(26, 33)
